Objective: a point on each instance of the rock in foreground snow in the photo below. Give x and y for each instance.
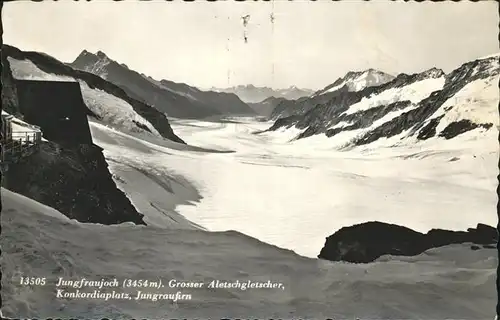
(366, 242)
(448, 282)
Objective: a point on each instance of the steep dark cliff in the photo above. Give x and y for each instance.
(52, 66)
(368, 241)
(76, 181)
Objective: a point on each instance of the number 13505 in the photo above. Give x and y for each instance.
(32, 281)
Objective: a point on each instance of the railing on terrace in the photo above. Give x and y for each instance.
(20, 144)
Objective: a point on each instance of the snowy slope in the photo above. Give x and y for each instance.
(477, 102)
(38, 240)
(174, 99)
(412, 108)
(300, 186)
(290, 195)
(108, 107)
(351, 89)
(414, 92)
(18, 125)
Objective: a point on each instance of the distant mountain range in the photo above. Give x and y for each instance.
(175, 99)
(252, 94)
(358, 108)
(263, 100)
(266, 107)
(363, 107)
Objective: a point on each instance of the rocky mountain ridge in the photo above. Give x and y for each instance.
(266, 107)
(414, 104)
(175, 99)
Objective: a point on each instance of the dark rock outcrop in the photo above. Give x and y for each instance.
(74, 180)
(429, 130)
(455, 128)
(53, 66)
(175, 99)
(358, 80)
(366, 242)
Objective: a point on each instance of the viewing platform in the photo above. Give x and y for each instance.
(19, 140)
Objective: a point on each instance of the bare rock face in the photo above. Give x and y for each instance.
(318, 113)
(76, 181)
(366, 242)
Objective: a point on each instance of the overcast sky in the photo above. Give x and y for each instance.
(310, 44)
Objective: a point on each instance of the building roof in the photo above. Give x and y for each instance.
(6, 115)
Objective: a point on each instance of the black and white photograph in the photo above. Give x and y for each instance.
(249, 160)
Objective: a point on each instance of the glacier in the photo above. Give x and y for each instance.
(235, 205)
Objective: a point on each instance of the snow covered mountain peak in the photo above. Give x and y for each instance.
(357, 81)
(410, 107)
